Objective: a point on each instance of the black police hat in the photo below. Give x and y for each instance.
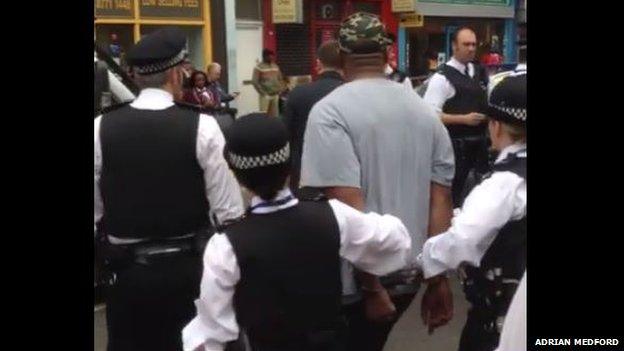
(507, 99)
(158, 51)
(257, 140)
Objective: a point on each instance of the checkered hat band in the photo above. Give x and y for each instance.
(518, 113)
(162, 66)
(248, 162)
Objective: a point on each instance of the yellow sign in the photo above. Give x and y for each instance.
(403, 5)
(287, 11)
(411, 20)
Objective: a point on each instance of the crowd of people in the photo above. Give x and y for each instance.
(362, 191)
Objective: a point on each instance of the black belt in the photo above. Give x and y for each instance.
(117, 257)
(146, 253)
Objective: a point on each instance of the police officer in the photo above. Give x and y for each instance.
(276, 273)
(458, 93)
(488, 236)
(158, 166)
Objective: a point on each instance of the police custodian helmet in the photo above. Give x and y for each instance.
(158, 51)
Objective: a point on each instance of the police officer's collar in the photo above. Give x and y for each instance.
(517, 148)
(453, 62)
(284, 199)
(153, 99)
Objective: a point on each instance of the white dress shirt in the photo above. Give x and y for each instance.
(497, 200)
(407, 82)
(440, 89)
(378, 244)
(514, 334)
(222, 190)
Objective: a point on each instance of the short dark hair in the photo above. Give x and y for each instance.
(265, 182)
(461, 29)
(329, 54)
(266, 53)
(195, 74)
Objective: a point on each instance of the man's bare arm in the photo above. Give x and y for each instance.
(470, 119)
(440, 209)
(437, 303)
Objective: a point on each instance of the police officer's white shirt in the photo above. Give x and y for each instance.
(222, 190)
(378, 244)
(497, 200)
(440, 89)
(514, 334)
(407, 82)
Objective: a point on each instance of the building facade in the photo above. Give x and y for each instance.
(129, 20)
(493, 21)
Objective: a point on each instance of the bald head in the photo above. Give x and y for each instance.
(214, 71)
(464, 45)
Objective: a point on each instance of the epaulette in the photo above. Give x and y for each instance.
(112, 108)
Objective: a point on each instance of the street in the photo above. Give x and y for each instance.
(409, 334)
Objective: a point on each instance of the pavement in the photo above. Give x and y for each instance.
(409, 334)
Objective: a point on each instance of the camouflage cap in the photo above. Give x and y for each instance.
(362, 25)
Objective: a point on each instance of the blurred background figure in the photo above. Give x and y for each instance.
(187, 71)
(222, 98)
(199, 94)
(115, 48)
(269, 83)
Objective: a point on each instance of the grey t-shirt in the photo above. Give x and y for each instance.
(375, 135)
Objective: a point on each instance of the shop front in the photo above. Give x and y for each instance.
(121, 23)
(427, 43)
(295, 40)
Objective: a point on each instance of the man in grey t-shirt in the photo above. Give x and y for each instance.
(378, 147)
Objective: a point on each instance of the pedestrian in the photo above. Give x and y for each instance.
(275, 275)
(199, 94)
(391, 70)
(159, 172)
(222, 99)
(487, 239)
(458, 93)
(376, 146)
(187, 71)
(115, 49)
(303, 97)
(268, 82)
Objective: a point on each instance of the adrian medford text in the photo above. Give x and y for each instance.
(577, 342)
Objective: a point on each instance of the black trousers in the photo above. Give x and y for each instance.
(364, 335)
(469, 154)
(149, 305)
(478, 333)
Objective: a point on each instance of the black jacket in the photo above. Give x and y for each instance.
(300, 101)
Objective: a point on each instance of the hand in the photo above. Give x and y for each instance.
(436, 307)
(379, 306)
(474, 119)
(235, 94)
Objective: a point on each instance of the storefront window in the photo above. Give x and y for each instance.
(365, 6)
(431, 45)
(249, 10)
(328, 11)
(117, 48)
(195, 43)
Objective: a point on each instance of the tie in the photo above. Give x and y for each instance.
(466, 72)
